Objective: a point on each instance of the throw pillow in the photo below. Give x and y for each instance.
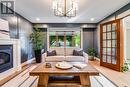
(78, 53)
(51, 53)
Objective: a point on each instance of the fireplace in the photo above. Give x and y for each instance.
(6, 57)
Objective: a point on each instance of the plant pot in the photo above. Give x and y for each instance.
(38, 56)
(91, 58)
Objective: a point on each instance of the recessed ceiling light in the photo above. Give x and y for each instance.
(92, 19)
(37, 19)
(45, 25)
(84, 26)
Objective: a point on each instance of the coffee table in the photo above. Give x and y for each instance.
(83, 74)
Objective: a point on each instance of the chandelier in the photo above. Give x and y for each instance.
(65, 8)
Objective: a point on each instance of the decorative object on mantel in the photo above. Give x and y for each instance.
(37, 39)
(63, 65)
(4, 29)
(65, 8)
(92, 53)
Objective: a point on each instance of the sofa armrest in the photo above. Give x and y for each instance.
(44, 55)
(85, 57)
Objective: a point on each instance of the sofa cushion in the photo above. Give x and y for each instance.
(54, 58)
(60, 51)
(74, 58)
(78, 52)
(51, 53)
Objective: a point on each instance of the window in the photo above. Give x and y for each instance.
(64, 38)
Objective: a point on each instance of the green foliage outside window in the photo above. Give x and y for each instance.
(61, 35)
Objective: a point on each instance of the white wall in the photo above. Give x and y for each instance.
(126, 23)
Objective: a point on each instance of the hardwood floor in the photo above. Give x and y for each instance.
(24, 80)
(121, 79)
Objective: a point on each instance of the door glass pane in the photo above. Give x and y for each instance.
(108, 59)
(113, 59)
(109, 27)
(104, 58)
(113, 51)
(104, 51)
(113, 35)
(109, 43)
(113, 43)
(104, 43)
(108, 51)
(109, 35)
(113, 26)
(104, 36)
(104, 28)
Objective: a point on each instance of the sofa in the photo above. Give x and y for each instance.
(69, 55)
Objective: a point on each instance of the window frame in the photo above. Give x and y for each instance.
(53, 30)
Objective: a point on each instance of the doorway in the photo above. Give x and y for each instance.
(126, 25)
(111, 45)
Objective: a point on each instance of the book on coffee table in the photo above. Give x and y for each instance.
(80, 65)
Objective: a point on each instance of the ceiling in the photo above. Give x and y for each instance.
(42, 9)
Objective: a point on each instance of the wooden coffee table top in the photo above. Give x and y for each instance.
(41, 69)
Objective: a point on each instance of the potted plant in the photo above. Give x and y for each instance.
(92, 53)
(37, 39)
(126, 67)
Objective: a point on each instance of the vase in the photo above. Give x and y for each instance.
(38, 56)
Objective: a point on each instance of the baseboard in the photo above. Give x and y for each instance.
(27, 62)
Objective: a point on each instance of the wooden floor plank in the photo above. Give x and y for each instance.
(121, 79)
(3, 81)
(94, 82)
(29, 81)
(34, 84)
(15, 82)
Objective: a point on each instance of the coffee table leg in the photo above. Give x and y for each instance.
(43, 81)
(85, 80)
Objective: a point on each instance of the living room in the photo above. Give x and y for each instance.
(84, 36)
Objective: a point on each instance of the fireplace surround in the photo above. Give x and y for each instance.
(11, 48)
(6, 57)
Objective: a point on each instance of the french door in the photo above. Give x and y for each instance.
(111, 45)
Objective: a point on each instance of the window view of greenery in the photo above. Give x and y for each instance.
(69, 38)
(61, 39)
(52, 39)
(77, 38)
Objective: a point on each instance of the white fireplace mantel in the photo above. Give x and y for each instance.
(16, 56)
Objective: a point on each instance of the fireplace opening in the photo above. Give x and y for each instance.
(6, 57)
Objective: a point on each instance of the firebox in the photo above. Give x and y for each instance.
(6, 57)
